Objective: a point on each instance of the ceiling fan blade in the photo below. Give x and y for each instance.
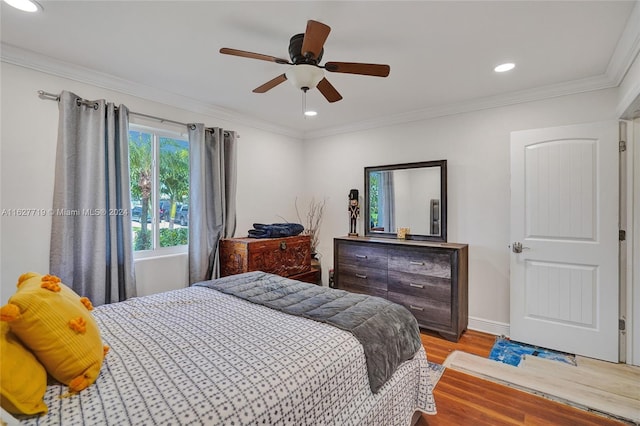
(270, 84)
(245, 54)
(376, 70)
(314, 38)
(328, 91)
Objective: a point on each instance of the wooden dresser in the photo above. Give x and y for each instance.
(288, 256)
(429, 279)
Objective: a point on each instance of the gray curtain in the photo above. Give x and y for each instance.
(91, 248)
(212, 197)
(387, 202)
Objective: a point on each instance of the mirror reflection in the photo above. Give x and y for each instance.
(409, 196)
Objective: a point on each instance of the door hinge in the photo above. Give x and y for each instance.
(622, 145)
(622, 235)
(622, 326)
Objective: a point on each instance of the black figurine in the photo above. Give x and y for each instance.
(354, 212)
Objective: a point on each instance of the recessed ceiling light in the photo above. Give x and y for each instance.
(310, 113)
(25, 5)
(505, 67)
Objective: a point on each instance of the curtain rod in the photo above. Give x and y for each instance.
(53, 97)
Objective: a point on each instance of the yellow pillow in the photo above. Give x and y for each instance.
(23, 380)
(55, 323)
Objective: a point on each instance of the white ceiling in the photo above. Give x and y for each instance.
(441, 54)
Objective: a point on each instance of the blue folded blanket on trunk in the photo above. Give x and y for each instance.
(275, 230)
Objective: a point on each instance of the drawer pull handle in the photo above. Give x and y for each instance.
(416, 285)
(416, 308)
(364, 277)
(361, 256)
(416, 263)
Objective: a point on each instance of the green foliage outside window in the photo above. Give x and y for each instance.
(374, 185)
(168, 238)
(174, 237)
(142, 240)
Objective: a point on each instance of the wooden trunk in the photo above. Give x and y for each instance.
(287, 256)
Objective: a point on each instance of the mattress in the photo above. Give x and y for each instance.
(196, 356)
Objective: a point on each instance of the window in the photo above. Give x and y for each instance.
(159, 167)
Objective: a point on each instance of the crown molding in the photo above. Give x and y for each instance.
(46, 64)
(629, 105)
(512, 98)
(627, 48)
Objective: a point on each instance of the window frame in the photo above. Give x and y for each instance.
(157, 132)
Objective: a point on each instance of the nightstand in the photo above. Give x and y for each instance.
(314, 276)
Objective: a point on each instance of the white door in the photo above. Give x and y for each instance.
(564, 213)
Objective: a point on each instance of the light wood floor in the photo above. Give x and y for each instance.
(462, 399)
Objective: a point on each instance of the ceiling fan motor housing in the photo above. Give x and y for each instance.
(295, 52)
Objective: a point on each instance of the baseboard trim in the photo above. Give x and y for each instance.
(487, 326)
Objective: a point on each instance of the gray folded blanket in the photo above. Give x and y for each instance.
(387, 331)
(275, 230)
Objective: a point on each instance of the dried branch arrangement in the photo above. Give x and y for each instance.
(313, 221)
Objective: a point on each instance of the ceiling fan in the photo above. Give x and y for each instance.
(305, 51)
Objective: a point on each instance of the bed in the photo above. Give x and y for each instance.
(198, 356)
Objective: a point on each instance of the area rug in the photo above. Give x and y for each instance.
(435, 372)
(511, 352)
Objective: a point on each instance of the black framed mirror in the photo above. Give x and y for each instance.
(411, 195)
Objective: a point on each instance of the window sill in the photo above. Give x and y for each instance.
(161, 252)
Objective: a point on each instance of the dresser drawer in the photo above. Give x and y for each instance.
(351, 275)
(419, 285)
(368, 256)
(425, 262)
(371, 291)
(426, 311)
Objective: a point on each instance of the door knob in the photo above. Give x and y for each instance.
(517, 247)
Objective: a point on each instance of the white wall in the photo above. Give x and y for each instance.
(413, 191)
(476, 147)
(270, 174)
(629, 91)
(425, 186)
(402, 200)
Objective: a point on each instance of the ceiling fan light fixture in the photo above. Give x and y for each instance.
(505, 67)
(305, 76)
(25, 5)
(310, 113)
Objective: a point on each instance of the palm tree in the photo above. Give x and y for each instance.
(174, 173)
(140, 172)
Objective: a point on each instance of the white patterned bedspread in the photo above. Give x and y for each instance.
(195, 356)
